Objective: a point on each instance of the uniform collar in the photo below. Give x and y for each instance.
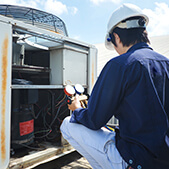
(139, 46)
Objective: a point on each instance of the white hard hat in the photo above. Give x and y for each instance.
(124, 12)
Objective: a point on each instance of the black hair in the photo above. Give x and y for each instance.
(130, 36)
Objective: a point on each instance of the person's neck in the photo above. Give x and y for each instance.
(126, 48)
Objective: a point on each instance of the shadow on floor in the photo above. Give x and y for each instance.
(69, 161)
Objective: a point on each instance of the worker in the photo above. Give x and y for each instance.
(133, 87)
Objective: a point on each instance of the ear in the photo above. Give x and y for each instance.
(117, 38)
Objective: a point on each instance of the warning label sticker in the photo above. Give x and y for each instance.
(26, 127)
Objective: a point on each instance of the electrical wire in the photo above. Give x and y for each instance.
(45, 110)
(59, 97)
(109, 128)
(30, 147)
(56, 115)
(44, 135)
(49, 126)
(61, 100)
(50, 138)
(41, 131)
(36, 116)
(63, 112)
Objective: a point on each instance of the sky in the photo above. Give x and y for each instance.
(86, 20)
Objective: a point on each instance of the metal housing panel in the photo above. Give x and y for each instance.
(75, 67)
(92, 68)
(56, 65)
(68, 66)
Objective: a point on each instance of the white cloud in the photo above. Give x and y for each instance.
(11, 2)
(58, 8)
(31, 3)
(158, 19)
(97, 2)
(55, 7)
(73, 10)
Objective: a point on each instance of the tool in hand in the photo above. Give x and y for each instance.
(78, 89)
(69, 91)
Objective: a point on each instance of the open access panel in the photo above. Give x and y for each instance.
(36, 65)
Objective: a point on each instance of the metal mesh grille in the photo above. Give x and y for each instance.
(35, 17)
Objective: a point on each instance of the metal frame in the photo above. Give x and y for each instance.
(35, 17)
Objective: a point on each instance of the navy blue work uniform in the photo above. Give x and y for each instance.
(134, 87)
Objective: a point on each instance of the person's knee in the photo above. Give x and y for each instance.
(64, 124)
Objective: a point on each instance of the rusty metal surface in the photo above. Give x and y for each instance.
(3, 93)
(5, 76)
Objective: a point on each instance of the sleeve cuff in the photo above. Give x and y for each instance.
(73, 116)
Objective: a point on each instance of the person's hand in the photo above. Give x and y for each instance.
(75, 104)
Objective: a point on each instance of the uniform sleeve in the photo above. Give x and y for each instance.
(104, 100)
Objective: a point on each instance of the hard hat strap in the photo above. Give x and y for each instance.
(135, 23)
